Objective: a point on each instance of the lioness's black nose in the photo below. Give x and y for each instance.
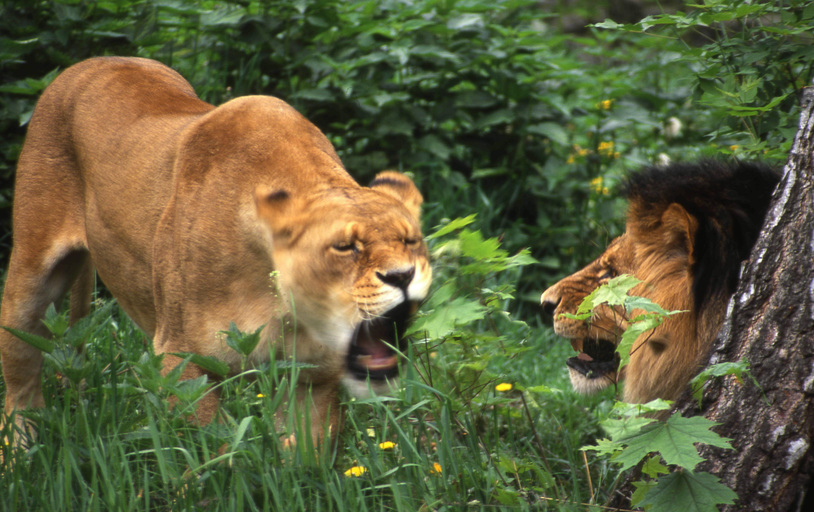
(398, 278)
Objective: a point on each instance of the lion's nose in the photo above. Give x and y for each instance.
(398, 278)
(549, 301)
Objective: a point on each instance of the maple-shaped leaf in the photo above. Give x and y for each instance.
(687, 491)
(674, 439)
(613, 293)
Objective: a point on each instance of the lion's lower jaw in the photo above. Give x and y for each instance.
(367, 388)
(586, 386)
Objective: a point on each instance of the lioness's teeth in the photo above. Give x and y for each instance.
(576, 344)
(379, 363)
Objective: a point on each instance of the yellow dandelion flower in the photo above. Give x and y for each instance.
(436, 468)
(570, 159)
(597, 185)
(387, 445)
(356, 471)
(617, 155)
(605, 104)
(503, 387)
(260, 395)
(733, 147)
(582, 152)
(371, 432)
(605, 147)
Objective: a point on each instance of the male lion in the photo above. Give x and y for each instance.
(195, 217)
(689, 227)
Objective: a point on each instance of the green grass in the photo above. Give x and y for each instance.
(107, 439)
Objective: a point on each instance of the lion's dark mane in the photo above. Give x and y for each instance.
(729, 200)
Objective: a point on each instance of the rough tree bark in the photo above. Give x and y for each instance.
(770, 323)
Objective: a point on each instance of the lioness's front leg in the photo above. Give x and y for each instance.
(207, 405)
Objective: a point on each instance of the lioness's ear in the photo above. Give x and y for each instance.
(680, 228)
(276, 207)
(402, 188)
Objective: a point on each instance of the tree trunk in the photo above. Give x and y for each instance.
(770, 323)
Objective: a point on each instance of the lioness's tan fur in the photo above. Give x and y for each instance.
(185, 210)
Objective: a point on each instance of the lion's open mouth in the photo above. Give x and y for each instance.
(596, 358)
(372, 353)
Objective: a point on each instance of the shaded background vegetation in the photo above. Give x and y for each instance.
(514, 109)
(528, 113)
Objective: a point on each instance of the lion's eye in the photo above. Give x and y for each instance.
(609, 273)
(412, 242)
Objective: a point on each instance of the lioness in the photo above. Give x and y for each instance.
(689, 227)
(196, 216)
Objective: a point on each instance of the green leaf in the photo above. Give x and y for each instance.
(608, 23)
(696, 492)
(674, 439)
(738, 370)
(553, 131)
(613, 293)
(38, 342)
(453, 225)
(653, 467)
(241, 342)
(445, 319)
(643, 324)
(56, 323)
(207, 364)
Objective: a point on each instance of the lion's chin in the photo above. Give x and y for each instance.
(595, 366)
(373, 356)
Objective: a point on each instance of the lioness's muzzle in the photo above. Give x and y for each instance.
(372, 351)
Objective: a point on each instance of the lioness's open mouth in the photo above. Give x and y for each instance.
(596, 358)
(371, 351)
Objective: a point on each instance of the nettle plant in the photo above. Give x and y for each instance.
(636, 436)
(467, 314)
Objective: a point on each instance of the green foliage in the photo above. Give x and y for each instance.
(738, 370)
(748, 61)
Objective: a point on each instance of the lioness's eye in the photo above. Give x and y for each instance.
(349, 247)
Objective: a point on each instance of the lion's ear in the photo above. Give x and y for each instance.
(276, 207)
(679, 228)
(402, 188)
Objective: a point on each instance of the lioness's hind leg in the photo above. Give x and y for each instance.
(34, 282)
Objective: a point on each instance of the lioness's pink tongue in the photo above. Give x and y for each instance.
(584, 357)
(376, 355)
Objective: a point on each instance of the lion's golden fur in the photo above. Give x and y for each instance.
(196, 216)
(689, 226)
